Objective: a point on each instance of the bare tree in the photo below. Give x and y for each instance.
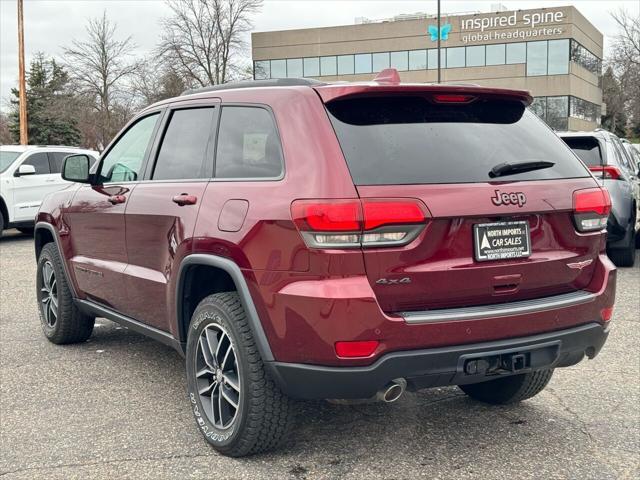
(100, 65)
(625, 63)
(5, 133)
(203, 39)
(156, 80)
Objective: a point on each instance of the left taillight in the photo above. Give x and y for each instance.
(591, 209)
(366, 223)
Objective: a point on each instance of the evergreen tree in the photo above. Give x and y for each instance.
(51, 105)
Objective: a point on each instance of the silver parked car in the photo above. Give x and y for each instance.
(608, 160)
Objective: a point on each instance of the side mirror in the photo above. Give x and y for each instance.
(25, 170)
(76, 168)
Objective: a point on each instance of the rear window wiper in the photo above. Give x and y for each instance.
(509, 168)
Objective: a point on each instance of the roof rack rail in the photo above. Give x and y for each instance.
(276, 82)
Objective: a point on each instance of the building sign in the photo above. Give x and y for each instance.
(526, 25)
(444, 32)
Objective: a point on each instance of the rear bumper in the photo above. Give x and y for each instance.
(437, 366)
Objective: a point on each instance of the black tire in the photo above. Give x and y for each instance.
(263, 415)
(1, 223)
(63, 323)
(625, 256)
(26, 231)
(512, 389)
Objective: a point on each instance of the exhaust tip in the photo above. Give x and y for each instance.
(393, 391)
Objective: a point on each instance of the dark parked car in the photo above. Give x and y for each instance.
(295, 239)
(606, 157)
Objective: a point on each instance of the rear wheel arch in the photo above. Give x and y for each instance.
(201, 275)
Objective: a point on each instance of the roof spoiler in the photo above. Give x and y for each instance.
(388, 82)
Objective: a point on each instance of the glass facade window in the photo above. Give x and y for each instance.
(312, 67)
(536, 58)
(294, 68)
(262, 70)
(584, 110)
(476, 56)
(558, 112)
(539, 107)
(496, 54)
(363, 63)
(455, 57)
(418, 60)
(380, 61)
(558, 63)
(432, 58)
(545, 57)
(400, 61)
(516, 53)
(345, 64)
(585, 58)
(278, 69)
(328, 66)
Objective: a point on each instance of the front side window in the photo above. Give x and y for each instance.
(39, 161)
(183, 152)
(248, 144)
(123, 163)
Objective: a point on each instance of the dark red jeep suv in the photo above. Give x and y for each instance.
(302, 240)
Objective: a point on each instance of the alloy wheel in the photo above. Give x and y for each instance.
(218, 376)
(49, 294)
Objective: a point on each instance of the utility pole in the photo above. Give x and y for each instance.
(438, 41)
(24, 137)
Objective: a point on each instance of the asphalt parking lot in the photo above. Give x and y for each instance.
(116, 407)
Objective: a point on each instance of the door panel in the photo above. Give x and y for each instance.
(96, 222)
(96, 216)
(162, 213)
(159, 235)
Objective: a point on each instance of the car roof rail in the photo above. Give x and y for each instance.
(276, 82)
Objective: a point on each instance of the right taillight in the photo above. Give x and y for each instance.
(354, 223)
(591, 209)
(606, 172)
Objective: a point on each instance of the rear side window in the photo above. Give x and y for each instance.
(40, 162)
(248, 144)
(184, 147)
(587, 148)
(410, 140)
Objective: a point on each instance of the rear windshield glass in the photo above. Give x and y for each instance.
(587, 148)
(408, 140)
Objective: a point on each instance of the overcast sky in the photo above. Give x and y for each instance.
(50, 25)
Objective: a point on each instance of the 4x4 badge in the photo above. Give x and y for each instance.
(514, 198)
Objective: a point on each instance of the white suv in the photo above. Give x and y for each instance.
(27, 175)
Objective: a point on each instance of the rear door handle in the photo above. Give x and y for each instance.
(115, 199)
(185, 199)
